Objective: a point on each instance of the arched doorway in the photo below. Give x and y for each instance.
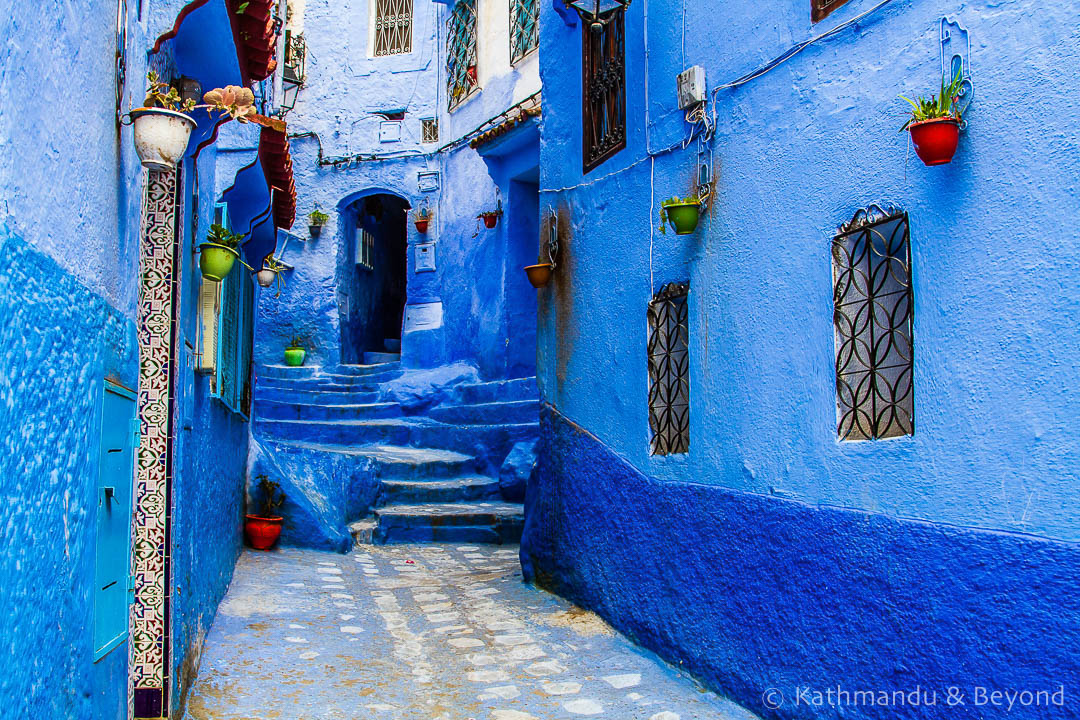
(372, 277)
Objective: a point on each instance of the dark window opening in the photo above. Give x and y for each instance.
(873, 326)
(669, 371)
(603, 89)
(820, 9)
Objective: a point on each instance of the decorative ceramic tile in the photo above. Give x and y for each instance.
(149, 649)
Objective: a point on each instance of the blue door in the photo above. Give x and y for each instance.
(116, 474)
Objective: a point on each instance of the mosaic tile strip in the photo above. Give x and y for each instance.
(150, 542)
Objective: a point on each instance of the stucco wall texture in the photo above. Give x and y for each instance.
(69, 239)
(796, 153)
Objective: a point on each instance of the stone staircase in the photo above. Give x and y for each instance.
(356, 465)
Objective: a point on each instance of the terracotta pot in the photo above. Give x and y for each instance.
(421, 225)
(161, 136)
(539, 275)
(935, 140)
(490, 220)
(262, 532)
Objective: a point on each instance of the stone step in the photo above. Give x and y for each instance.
(317, 397)
(306, 371)
(331, 382)
(495, 441)
(362, 531)
(495, 391)
(393, 462)
(283, 410)
(496, 522)
(493, 413)
(363, 369)
(460, 489)
(381, 357)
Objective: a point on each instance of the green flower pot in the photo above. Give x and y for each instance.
(684, 216)
(294, 356)
(216, 261)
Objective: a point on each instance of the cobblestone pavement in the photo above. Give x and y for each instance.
(423, 632)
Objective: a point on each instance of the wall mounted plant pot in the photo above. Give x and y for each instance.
(265, 278)
(262, 532)
(684, 216)
(935, 140)
(421, 225)
(161, 136)
(314, 230)
(490, 220)
(216, 261)
(294, 356)
(539, 275)
(471, 72)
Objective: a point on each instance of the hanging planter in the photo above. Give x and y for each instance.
(422, 218)
(683, 214)
(161, 136)
(490, 218)
(540, 274)
(263, 530)
(163, 127)
(934, 124)
(316, 220)
(218, 254)
(265, 277)
(271, 272)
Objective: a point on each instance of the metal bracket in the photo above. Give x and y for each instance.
(956, 60)
(553, 238)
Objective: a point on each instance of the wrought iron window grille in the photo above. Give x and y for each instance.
(461, 77)
(393, 27)
(669, 370)
(524, 28)
(873, 314)
(604, 88)
(295, 55)
(429, 130)
(820, 9)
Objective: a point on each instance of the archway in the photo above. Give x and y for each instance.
(372, 281)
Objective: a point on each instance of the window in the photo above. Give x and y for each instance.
(429, 130)
(604, 90)
(365, 249)
(233, 378)
(820, 9)
(873, 326)
(669, 371)
(393, 27)
(524, 28)
(461, 52)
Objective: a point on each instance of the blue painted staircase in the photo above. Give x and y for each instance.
(357, 466)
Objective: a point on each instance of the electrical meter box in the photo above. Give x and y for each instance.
(691, 87)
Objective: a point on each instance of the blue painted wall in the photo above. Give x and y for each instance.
(70, 193)
(990, 473)
(478, 278)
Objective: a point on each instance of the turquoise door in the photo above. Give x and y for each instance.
(116, 472)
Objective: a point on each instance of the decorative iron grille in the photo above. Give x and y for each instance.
(669, 371)
(873, 326)
(461, 52)
(820, 9)
(604, 89)
(393, 27)
(295, 53)
(524, 28)
(429, 130)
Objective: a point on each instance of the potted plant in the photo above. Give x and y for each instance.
(935, 123)
(421, 218)
(682, 213)
(271, 271)
(295, 352)
(264, 529)
(316, 220)
(163, 125)
(540, 274)
(490, 217)
(219, 252)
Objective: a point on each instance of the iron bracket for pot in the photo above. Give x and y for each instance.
(954, 61)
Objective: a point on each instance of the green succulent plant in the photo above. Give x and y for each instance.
(221, 235)
(942, 105)
(317, 217)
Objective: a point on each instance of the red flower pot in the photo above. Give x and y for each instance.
(935, 140)
(490, 220)
(262, 532)
(421, 225)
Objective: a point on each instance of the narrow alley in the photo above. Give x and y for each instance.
(438, 631)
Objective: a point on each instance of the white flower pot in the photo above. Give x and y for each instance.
(161, 136)
(266, 278)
